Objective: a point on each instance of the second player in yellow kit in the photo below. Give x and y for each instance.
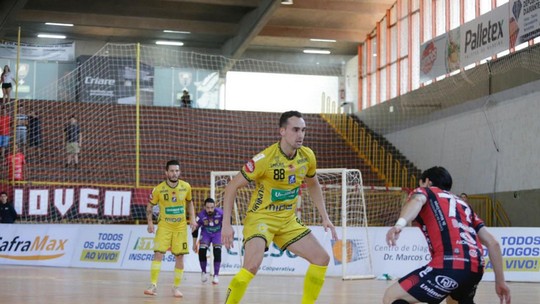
(173, 196)
(172, 227)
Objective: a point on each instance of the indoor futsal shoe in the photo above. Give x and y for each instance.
(151, 290)
(176, 292)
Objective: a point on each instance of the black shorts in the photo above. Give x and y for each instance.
(6, 85)
(431, 285)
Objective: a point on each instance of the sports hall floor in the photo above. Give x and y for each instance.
(29, 284)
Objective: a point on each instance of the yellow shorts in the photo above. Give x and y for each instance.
(282, 231)
(175, 240)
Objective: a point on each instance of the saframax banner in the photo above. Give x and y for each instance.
(131, 247)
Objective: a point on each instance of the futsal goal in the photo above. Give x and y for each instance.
(352, 208)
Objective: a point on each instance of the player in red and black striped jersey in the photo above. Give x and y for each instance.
(455, 236)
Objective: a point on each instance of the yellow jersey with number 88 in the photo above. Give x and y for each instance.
(278, 179)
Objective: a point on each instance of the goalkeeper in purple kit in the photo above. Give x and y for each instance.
(209, 220)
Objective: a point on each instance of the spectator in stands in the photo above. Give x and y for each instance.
(5, 126)
(34, 134)
(278, 172)
(464, 197)
(186, 99)
(173, 196)
(21, 120)
(8, 215)
(209, 220)
(73, 140)
(456, 236)
(7, 80)
(16, 164)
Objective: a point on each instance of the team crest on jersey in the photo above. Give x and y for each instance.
(249, 167)
(292, 179)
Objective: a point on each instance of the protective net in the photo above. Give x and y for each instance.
(350, 206)
(124, 145)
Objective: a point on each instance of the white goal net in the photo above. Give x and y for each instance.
(351, 207)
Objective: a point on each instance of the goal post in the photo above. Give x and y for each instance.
(352, 208)
(343, 193)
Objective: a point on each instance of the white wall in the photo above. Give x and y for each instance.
(351, 82)
(464, 144)
(267, 92)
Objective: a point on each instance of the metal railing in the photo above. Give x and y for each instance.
(490, 211)
(375, 155)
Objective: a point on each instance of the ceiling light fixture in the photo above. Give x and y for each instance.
(167, 42)
(322, 40)
(176, 32)
(59, 24)
(52, 36)
(316, 51)
(287, 2)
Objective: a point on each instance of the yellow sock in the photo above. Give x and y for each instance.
(154, 272)
(237, 287)
(178, 274)
(313, 283)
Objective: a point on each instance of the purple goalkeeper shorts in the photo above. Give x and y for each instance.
(214, 238)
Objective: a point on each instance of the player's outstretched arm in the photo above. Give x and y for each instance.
(408, 213)
(315, 192)
(495, 257)
(227, 233)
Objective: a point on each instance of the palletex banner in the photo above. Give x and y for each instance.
(498, 30)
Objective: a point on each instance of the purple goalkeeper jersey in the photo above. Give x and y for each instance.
(210, 224)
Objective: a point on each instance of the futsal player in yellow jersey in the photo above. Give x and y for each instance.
(173, 196)
(278, 172)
